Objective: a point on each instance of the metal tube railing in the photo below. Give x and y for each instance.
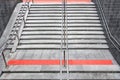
(110, 36)
(67, 49)
(61, 54)
(64, 40)
(13, 35)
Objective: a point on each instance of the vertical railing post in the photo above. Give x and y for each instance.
(65, 52)
(5, 61)
(64, 31)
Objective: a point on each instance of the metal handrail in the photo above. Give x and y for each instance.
(110, 36)
(61, 54)
(64, 41)
(13, 35)
(66, 38)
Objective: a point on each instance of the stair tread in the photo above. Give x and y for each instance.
(45, 46)
(56, 76)
(40, 21)
(59, 28)
(59, 15)
(59, 5)
(56, 68)
(59, 41)
(59, 12)
(60, 25)
(42, 18)
(59, 32)
(59, 9)
(59, 37)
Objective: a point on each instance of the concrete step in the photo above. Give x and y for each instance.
(57, 76)
(57, 6)
(60, 15)
(58, 46)
(59, 37)
(46, 25)
(59, 32)
(59, 21)
(60, 18)
(76, 68)
(59, 29)
(59, 41)
(58, 25)
(59, 9)
(60, 12)
(60, 4)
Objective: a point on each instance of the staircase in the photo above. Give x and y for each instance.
(43, 27)
(41, 40)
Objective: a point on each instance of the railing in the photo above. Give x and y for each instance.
(105, 24)
(64, 57)
(15, 32)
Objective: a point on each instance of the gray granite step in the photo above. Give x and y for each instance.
(59, 41)
(60, 32)
(59, 29)
(58, 46)
(55, 24)
(56, 21)
(77, 68)
(59, 15)
(103, 72)
(59, 37)
(59, 9)
(60, 12)
(57, 76)
(59, 18)
(73, 46)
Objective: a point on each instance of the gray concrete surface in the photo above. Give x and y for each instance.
(43, 51)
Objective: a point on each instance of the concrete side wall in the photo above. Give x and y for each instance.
(112, 12)
(6, 8)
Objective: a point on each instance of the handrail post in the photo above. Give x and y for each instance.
(64, 31)
(65, 39)
(4, 59)
(14, 37)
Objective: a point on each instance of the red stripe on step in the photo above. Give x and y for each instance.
(57, 1)
(57, 62)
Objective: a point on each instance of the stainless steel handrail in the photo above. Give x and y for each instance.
(66, 36)
(64, 56)
(13, 35)
(61, 52)
(110, 36)
(62, 39)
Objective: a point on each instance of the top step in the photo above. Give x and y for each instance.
(60, 5)
(82, 4)
(77, 68)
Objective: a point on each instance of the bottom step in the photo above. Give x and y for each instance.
(56, 68)
(84, 72)
(57, 76)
